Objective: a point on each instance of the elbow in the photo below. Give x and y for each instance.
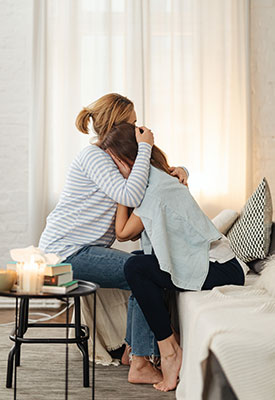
(121, 235)
(121, 238)
(134, 201)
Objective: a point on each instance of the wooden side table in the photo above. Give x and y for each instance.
(81, 331)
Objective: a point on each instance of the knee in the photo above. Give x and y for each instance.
(131, 268)
(241, 280)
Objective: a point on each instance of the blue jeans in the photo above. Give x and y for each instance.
(105, 266)
(138, 334)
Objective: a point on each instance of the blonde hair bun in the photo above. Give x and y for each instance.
(109, 110)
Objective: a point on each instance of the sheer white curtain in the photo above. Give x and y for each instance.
(184, 63)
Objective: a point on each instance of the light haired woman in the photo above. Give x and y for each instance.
(81, 228)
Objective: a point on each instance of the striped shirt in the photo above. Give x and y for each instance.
(85, 213)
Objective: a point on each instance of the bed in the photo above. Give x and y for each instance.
(227, 336)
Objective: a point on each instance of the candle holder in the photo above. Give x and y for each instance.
(30, 276)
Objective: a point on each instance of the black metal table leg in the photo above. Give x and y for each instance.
(16, 348)
(94, 331)
(15, 352)
(82, 345)
(22, 326)
(26, 316)
(10, 367)
(67, 349)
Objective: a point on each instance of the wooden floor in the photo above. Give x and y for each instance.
(42, 371)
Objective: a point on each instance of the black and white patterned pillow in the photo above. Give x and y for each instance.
(250, 235)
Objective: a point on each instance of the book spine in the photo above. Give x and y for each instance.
(53, 289)
(51, 280)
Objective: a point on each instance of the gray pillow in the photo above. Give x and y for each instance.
(249, 236)
(258, 265)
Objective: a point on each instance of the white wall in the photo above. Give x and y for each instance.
(15, 47)
(263, 92)
(15, 17)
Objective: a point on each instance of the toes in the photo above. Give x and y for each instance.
(156, 386)
(160, 386)
(163, 387)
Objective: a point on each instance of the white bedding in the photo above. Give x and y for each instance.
(238, 325)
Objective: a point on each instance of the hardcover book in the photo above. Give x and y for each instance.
(57, 280)
(67, 287)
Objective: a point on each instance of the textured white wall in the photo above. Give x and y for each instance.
(15, 17)
(263, 92)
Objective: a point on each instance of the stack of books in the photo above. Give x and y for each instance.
(58, 278)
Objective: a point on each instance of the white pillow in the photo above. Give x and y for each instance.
(224, 220)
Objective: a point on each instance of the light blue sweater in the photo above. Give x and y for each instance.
(177, 229)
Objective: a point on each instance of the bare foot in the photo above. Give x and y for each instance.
(170, 366)
(125, 359)
(143, 372)
(177, 336)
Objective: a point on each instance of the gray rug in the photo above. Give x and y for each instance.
(41, 375)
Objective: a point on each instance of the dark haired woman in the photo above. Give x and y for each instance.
(182, 248)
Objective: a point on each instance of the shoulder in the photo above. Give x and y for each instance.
(92, 153)
(165, 191)
(160, 182)
(93, 150)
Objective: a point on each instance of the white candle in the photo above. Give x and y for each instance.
(30, 276)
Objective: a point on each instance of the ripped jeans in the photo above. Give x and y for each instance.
(105, 266)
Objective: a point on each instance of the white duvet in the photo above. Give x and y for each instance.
(238, 325)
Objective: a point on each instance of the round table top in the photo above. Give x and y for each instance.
(84, 289)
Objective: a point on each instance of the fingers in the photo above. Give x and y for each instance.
(183, 181)
(137, 131)
(144, 128)
(147, 136)
(180, 173)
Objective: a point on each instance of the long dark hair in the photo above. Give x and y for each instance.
(121, 140)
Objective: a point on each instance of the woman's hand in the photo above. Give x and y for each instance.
(147, 136)
(124, 168)
(180, 173)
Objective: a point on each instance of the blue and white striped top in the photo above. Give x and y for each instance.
(85, 213)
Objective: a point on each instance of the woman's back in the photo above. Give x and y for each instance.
(84, 212)
(177, 229)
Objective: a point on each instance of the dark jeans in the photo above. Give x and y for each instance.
(148, 282)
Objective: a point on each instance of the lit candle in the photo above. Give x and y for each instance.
(30, 276)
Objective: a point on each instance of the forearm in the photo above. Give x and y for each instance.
(122, 216)
(127, 227)
(102, 170)
(138, 178)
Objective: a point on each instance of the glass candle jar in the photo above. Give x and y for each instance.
(30, 276)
